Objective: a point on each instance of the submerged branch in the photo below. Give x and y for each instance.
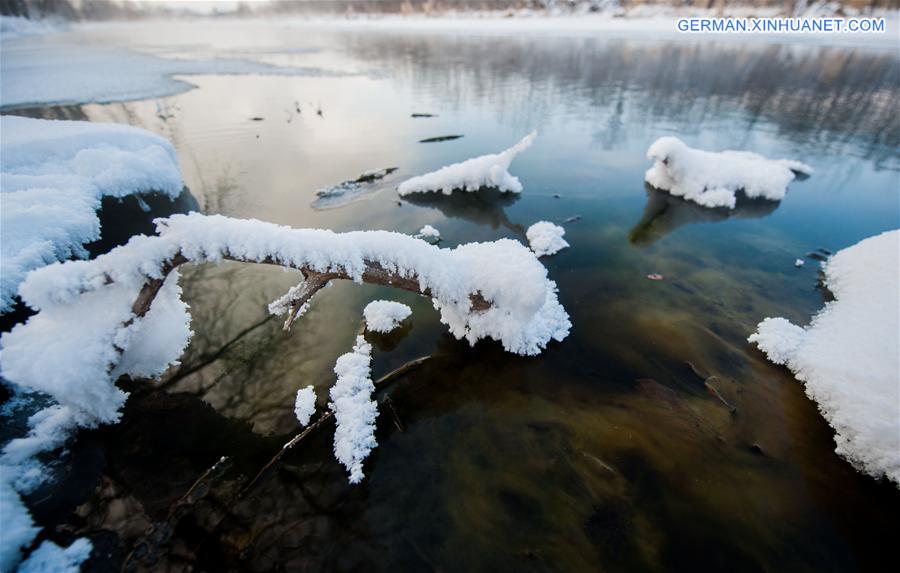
(326, 418)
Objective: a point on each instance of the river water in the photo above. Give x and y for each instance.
(606, 452)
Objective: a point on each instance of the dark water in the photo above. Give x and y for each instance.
(604, 453)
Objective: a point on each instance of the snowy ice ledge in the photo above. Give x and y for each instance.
(121, 313)
(473, 174)
(849, 355)
(53, 175)
(711, 178)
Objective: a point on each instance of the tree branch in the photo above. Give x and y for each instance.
(326, 418)
(373, 274)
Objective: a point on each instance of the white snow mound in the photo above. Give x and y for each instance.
(473, 174)
(305, 404)
(849, 355)
(545, 238)
(711, 178)
(53, 175)
(385, 315)
(428, 232)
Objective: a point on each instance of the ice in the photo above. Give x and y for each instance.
(491, 171)
(849, 356)
(712, 179)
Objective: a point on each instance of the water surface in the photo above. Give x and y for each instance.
(604, 453)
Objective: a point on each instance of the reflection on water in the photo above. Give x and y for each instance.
(664, 213)
(483, 207)
(604, 453)
(819, 98)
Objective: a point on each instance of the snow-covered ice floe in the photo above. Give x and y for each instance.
(354, 409)
(385, 315)
(53, 175)
(473, 174)
(545, 238)
(63, 71)
(849, 355)
(712, 179)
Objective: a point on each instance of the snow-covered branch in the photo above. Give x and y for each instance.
(122, 313)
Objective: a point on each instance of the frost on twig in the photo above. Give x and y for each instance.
(295, 302)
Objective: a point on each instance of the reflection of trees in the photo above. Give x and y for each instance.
(482, 207)
(239, 360)
(664, 213)
(822, 97)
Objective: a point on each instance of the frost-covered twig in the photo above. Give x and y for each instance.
(295, 302)
(354, 409)
(122, 313)
(326, 418)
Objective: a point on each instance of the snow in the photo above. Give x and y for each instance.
(305, 404)
(51, 558)
(18, 529)
(53, 175)
(68, 349)
(428, 232)
(385, 315)
(473, 174)
(712, 179)
(849, 355)
(354, 409)
(545, 238)
(67, 70)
